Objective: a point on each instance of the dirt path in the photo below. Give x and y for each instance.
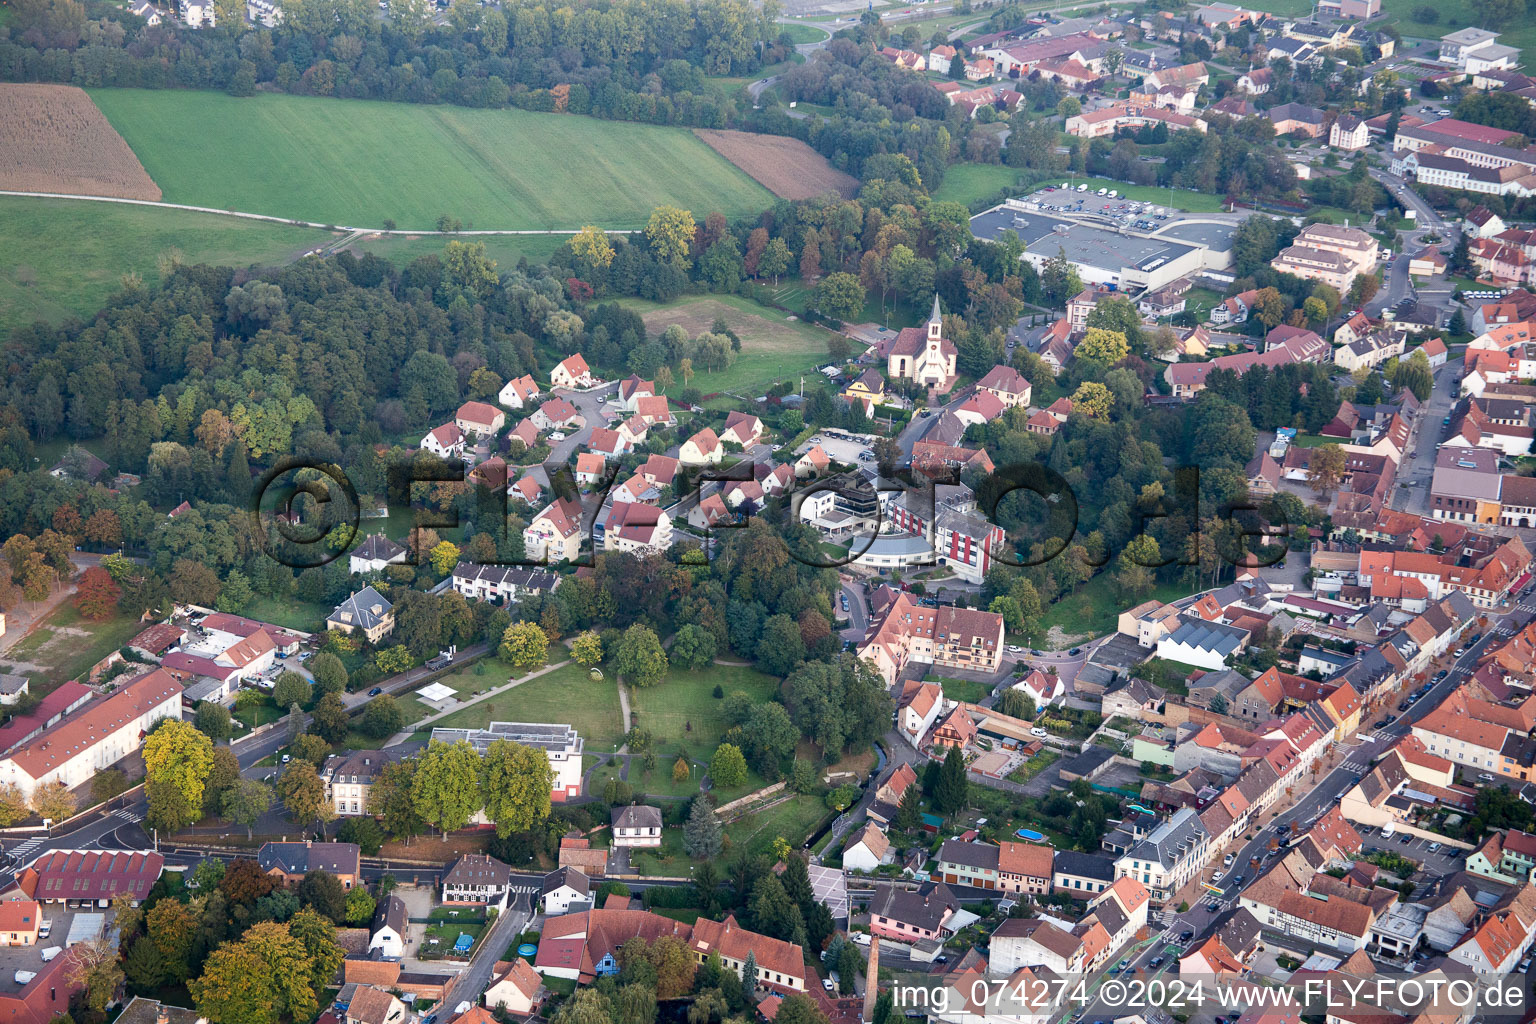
(306, 223)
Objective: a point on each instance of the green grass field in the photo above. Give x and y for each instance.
(506, 250)
(772, 345)
(682, 713)
(971, 183)
(804, 33)
(42, 279)
(359, 163)
(564, 695)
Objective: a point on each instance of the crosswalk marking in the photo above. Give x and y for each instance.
(127, 815)
(20, 853)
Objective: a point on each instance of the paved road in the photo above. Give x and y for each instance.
(590, 405)
(1418, 469)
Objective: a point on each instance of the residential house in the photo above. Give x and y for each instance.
(477, 880)
(572, 373)
(290, 862)
(702, 449)
(374, 553)
(514, 988)
(390, 923)
(1007, 385)
(519, 392)
(501, 583)
(366, 612)
(637, 528)
(446, 441)
(1349, 133)
(557, 414)
(867, 848)
(555, 534)
(564, 888)
(912, 915)
(743, 429)
(638, 825)
(477, 419)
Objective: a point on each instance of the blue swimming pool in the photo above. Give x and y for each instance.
(1031, 835)
(527, 949)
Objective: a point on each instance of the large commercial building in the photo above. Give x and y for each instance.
(560, 744)
(97, 736)
(1105, 245)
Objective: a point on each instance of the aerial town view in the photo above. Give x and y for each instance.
(800, 511)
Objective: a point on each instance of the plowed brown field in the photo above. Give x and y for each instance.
(786, 167)
(53, 139)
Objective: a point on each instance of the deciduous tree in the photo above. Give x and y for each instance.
(446, 789)
(524, 645)
(518, 780)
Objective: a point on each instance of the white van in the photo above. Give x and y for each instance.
(1082, 188)
(1102, 192)
(51, 952)
(1114, 194)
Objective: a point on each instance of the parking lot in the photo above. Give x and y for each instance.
(846, 450)
(1443, 861)
(56, 919)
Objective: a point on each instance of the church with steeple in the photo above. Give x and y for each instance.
(924, 355)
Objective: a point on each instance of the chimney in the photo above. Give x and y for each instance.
(162, 1016)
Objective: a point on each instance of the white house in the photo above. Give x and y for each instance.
(636, 825)
(562, 887)
(516, 990)
(918, 707)
(476, 879)
(479, 419)
(742, 428)
(446, 441)
(519, 392)
(374, 553)
(637, 528)
(555, 533)
(867, 849)
(1041, 688)
(701, 449)
(572, 372)
(389, 929)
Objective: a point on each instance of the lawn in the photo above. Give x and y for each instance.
(564, 695)
(1091, 611)
(290, 613)
(794, 819)
(43, 280)
(971, 183)
(804, 33)
(506, 250)
(64, 646)
(773, 346)
(360, 162)
(681, 711)
(968, 690)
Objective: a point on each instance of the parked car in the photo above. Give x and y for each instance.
(1074, 652)
(286, 758)
(1015, 649)
(375, 691)
(1406, 839)
(826, 983)
(1484, 777)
